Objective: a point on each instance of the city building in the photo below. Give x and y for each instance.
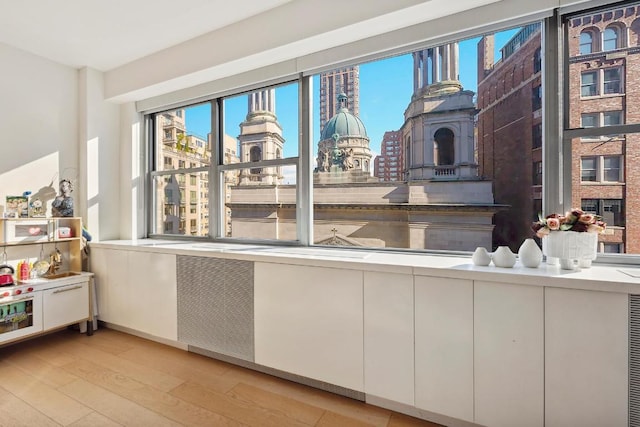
(343, 146)
(438, 131)
(510, 118)
(332, 83)
(186, 196)
(261, 138)
(443, 204)
(604, 86)
(389, 164)
(603, 69)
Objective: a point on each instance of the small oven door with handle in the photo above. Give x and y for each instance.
(20, 316)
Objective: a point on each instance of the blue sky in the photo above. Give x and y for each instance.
(385, 91)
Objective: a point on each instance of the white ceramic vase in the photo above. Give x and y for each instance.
(503, 257)
(481, 256)
(530, 254)
(571, 247)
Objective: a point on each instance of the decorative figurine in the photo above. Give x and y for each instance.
(62, 205)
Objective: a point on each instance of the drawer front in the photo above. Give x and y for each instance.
(65, 305)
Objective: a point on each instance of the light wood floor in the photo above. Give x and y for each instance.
(113, 379)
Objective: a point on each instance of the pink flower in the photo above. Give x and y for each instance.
(587, 219)
(553, 223)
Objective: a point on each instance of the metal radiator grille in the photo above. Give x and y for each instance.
(215, 305)
(634, 360)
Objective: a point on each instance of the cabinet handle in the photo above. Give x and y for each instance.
(57, 291)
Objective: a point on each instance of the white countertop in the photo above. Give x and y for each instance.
(609, 278)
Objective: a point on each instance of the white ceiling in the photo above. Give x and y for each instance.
(105, 34)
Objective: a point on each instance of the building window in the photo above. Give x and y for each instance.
(610, 38)
(537, 136)
(589, 169)
(586, 42)
(589, 85)
(612, 81)
(595, 120)
(536, 96)
(612, 248)
(537, 60)
(611, 210)
(537, 173)
(590, 120)
(601, 169)
(612, 170)
(612, 118)
(444, 139)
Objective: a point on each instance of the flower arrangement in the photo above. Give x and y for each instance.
(575, 220)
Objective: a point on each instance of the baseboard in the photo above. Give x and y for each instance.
(418, 413)
(176, 344)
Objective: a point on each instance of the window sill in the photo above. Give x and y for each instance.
(600, 277)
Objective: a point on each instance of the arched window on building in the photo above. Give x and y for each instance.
(445, 154)
(587, 42)
(611, 39)
(255, 155)
(537, 61)
(635, 33)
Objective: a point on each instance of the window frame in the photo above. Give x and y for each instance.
(557, 135)
(600, 170)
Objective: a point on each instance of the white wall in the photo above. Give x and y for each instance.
(38, 123)
(99, 150)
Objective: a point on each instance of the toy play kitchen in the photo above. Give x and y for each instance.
(34, 296)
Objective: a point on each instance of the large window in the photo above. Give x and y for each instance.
(443, 161)
(421, 150)
(602, 122)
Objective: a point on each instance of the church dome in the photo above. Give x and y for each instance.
(344, 123)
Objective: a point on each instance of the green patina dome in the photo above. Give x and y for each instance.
(344, 123)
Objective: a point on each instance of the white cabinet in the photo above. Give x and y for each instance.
(586, 361)
(444, 346)
(65, 305)
(309, 322)
(388, 336)
(137, 290)
(508, 355)
(152, 292)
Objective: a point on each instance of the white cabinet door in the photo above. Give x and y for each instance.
(444, 346)
(65, 305)
(152, 292)
(586, 341)
(388, 336)
(137, 290)
(114, 305)
(309, 321)
(508, 355)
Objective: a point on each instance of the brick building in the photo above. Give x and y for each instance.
(509, 131)
(604, 70)
(389, 165)
(604, 78)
